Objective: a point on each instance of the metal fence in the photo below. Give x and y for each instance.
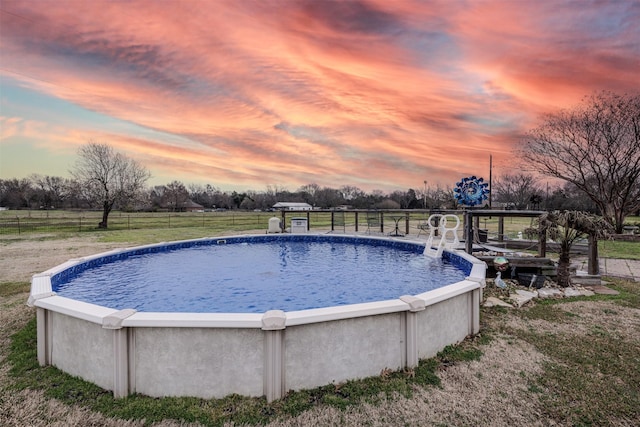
(21, 222)
(88, 221)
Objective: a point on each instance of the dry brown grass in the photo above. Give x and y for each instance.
(32, 408)
(497, 390)
(490, 392)
(583, 316)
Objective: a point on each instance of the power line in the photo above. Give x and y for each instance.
(17, 16)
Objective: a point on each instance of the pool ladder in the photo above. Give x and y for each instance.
(448, 235)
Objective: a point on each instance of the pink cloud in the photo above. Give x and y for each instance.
(385, 93)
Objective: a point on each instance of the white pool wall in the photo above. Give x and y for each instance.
(212, 355)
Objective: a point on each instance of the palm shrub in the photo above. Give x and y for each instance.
(565, 227)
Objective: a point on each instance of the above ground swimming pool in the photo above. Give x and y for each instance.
(292, 316)
(240, 276)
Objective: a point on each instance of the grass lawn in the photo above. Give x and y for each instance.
(619, 249)
(589, 373)
(569, 362)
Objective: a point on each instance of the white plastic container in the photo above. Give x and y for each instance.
(298, 225)
(274, 225)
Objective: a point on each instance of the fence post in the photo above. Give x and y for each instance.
(80, 224)
(18, 218)
(593, 264)
(468, 232)
(542, 242)
(407, 218)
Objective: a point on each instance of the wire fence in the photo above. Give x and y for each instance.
(407, 221)
(21, 222)
(88, 221)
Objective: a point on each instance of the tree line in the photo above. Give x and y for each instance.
(593, 149)
(510, 191)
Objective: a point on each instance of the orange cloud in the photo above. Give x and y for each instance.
(382, 94)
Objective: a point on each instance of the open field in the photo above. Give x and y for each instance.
(564, 363)
(125, 226)
(18, 222)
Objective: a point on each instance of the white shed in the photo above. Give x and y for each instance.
(293, 206)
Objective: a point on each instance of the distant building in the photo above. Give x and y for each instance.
(191, 206)
(292, 206)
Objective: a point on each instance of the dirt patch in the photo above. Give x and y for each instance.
(22, 258)
(583, 316)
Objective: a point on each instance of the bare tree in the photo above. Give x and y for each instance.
(175, 196)
(595, 146)
(308, 193)
(53, 190)
(327, 197)
(569, 197)
(16, 193)
(350, 192)
(441, 198)
(406, 199)
(516, 188)
(108, 176)
(156, 195)
(203, 195)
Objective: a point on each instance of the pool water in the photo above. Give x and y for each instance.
(256, 277)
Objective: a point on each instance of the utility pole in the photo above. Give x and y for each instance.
(425, 194)
(490, 176)
(546, 202)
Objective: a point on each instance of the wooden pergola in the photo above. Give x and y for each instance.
(472, 222)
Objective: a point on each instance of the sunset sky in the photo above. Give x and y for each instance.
(377, 94)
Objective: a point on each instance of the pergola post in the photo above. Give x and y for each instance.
(468, 232)
(593, 265)
(542, 242)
